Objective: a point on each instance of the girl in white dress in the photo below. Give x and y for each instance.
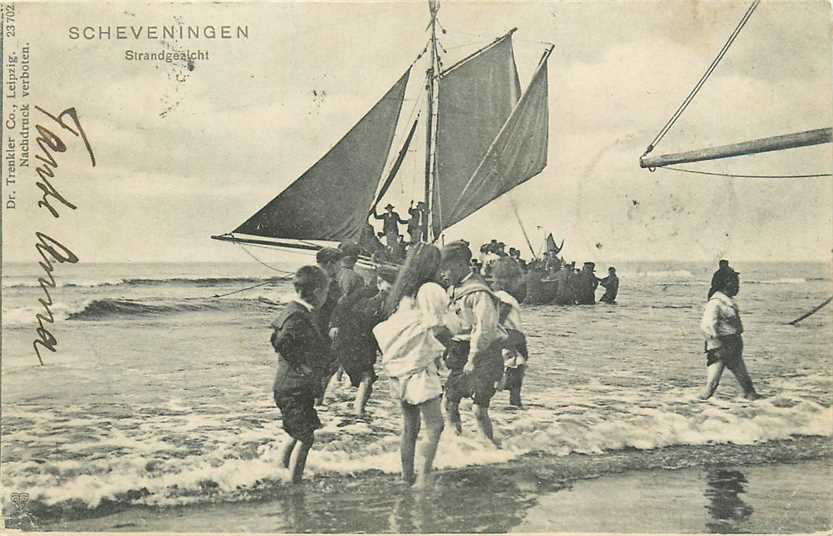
(412, 341)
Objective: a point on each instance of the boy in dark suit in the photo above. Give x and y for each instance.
(303, 361)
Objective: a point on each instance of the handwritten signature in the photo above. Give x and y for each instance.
(51, 250)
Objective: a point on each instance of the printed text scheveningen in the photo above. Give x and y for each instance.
(151, 32)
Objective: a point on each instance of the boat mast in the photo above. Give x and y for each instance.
(433, 7)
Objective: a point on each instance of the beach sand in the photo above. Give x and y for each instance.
(775, 498)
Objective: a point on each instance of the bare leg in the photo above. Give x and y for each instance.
(329, 387)
(738, 368)
(452, 414)
(432, 417)
(515, 388)
(299, 460)
(363, 394)
(484, 422)
(714, 371)
(286, 452)
(407, 441)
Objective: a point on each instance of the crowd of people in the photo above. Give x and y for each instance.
(567, 284)
(443, 334)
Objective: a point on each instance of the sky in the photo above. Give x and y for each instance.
(182, 155)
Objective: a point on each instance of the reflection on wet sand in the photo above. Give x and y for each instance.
(727, 510)
(454, 504)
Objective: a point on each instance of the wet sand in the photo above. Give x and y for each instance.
(778, 498)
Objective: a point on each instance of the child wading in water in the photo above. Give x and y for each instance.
(412, 341)
(722, 327)
(508, 274)
(303, 362)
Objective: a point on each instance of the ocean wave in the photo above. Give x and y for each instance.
(151, 282)
(655, 274)
(195, 462)
(105, 309)
(782, 281)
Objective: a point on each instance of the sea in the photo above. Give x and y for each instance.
(155, 413)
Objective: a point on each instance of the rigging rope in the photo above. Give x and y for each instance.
(736, 176)
(664, 130)
(252, 255)
(243, 289)
(812, 312)
(263, 284)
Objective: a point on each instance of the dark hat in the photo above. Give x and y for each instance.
(326, 255)
(456, 250)
(388, 206)
(350, 249)
(388, 273)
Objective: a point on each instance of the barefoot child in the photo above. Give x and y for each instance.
(724, 343)
(412, 341)
(508, 274)
(355, 317)
(303, 362)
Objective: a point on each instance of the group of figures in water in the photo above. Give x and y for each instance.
(546, 280)
(442, 332)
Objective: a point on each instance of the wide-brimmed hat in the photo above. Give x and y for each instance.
(350, 249)
(326, 255)
(456, 250)
(388, 206)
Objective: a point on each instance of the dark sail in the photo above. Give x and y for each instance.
(396, 165)
(475, 97)
(331, 200)
(518, 153)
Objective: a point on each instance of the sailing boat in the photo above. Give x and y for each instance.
(484, 137)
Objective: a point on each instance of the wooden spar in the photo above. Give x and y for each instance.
(290, 245)
(761, 145)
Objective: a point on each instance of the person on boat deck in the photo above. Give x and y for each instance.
(354, 318)
(412, 341)
(401, 248)
(490, 257)
(390, 225)
(500, 251)
(563, 293)
(369, 242)
(587, 284)
(348, 280)
(474, 357)
(417, 221)
(723, 330)
(515, 255)
(508, 276)
(722, 269)
(552, 263)
(329, 260)
(611, 285)
(573, 283)
(303, 361)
